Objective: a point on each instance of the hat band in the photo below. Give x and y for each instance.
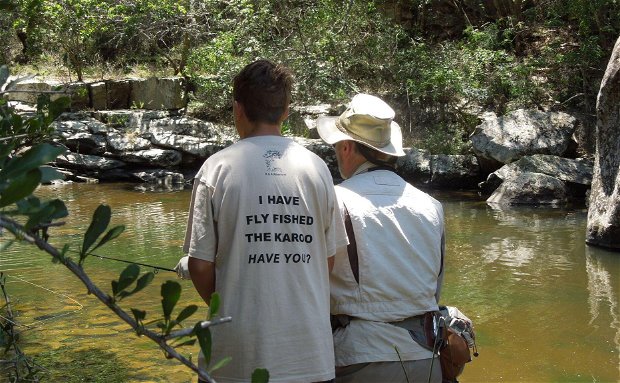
(341, 126)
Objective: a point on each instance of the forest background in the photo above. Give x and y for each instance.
(441, 64)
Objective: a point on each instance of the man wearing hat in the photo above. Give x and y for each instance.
(391, 273)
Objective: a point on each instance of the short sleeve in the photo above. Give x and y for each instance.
(336, 234)
(201, 235)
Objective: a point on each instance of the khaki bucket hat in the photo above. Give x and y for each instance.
(369, 121)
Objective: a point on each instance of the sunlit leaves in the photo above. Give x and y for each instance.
(214, 304)
(204, 340)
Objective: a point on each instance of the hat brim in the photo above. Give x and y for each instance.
(326, 127)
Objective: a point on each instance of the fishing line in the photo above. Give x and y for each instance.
(33, 324)
(126, 261)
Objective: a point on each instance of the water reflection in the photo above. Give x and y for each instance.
(544, 305)
(603, 296)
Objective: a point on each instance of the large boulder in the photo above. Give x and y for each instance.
(502, 140)
(603, 226)
(576, 173)
(530, 189)
(157, 93)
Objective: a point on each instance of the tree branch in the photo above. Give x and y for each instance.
(18, 231)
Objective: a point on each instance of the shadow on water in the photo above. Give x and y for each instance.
(544, 304)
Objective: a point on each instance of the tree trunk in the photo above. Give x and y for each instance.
(603, 227)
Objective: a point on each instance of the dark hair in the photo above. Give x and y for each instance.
(264, 89)
(374, 156)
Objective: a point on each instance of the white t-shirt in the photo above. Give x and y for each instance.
(265, 211)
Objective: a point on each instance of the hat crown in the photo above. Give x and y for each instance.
(371, 106)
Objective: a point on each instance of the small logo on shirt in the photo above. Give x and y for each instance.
(272, 158)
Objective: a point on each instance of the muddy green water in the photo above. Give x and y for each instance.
(544, 305)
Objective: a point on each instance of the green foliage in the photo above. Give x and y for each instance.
(260, 375)
(20, 131)
(19, 177)
(99, 223)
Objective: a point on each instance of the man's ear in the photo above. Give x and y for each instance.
(238, 109)
(348, 146)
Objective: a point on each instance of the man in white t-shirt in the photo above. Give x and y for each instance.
(263, 228)
(382, 286)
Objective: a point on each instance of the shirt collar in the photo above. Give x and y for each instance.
(363, 168)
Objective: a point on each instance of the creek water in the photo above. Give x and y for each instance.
(544, 304)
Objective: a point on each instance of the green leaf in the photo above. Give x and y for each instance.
(138, 315)
(143, 281)
(221, 363)
(126, 278)
(40, 216)
(50, 174)
(32, 159)
(5, 150)
(6, 245)
(101, 219)
(170, 292)
(110, 235)
(214, 305)
(204, 340)
(46, 212)
(58, 106)
(20, 187)
(186, 313)
(260, 375)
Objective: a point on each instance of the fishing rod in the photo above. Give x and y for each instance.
(126, 261)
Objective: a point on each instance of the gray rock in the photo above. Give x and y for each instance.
(530, 189)
(99, 95)
(160, 177)
(153, 157)
(603, 225)
(127, 142)
(157, 93)
(187, 126)
(131, 119)
(193, 145)
(454, 171)
(87, 143)
(502, 140)
(574, 171)
(117, 94)
(415, 166)
(28, 90)
(87, 161)
(69, 128)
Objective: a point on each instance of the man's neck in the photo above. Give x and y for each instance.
(260, 129)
